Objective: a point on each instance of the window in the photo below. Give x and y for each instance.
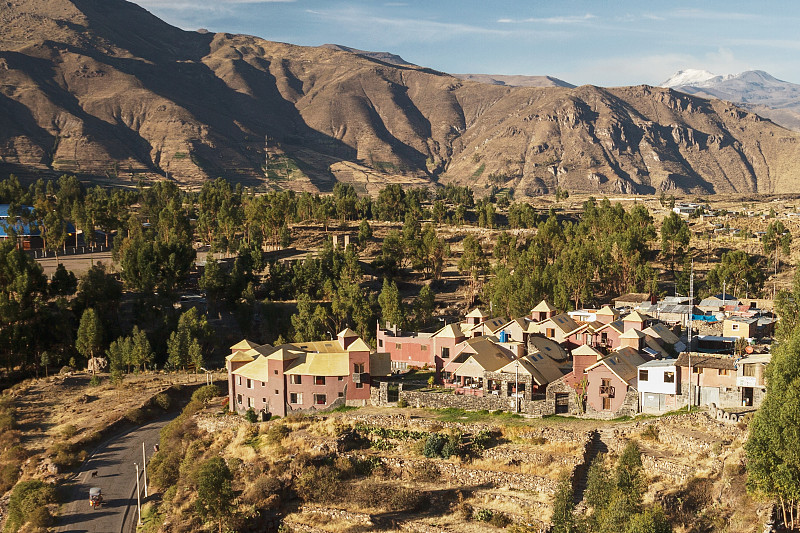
(341, 395)
(251, 402)
(642, 375)
(340, 378)
(749, 371)
(249, 383)
(723, 372)
(275, 371)
(697, 370)
(263, 384)
(264, 400)
(239, 378)
(239, 398)
(398, 346)
(276, 392)
(320, 399)
(735, 327)
(550, 333)
(359, 385)
(445, 353)
(424, 348)
(358, 368)
(319, 380)
(669, 377)
(380, 343)
(295, 379)
(295, 397)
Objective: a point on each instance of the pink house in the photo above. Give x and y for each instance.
(301, 376)
(609, 381)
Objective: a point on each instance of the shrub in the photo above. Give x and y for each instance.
(262, 490)
(483, 515)
(425, 471)
(317, 484)
(163, 400)
(28, 504)
(251, 416)
(499, 519)
(136, 416)
(66, 455)
(9, 474)
(484, 439)
(452, 446)
(206, 393)
(276, 433)
(650, 432)
(95, 381)
(433, 445)
(69, 431)
(402, 403)
(407, 499)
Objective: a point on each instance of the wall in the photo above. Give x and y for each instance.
(595, 377)
(655, 380)
(629, 406)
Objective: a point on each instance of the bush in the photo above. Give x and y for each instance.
(69, 431)
(425, 471)
(433, 445)
(452, 446)
(276, 433)
(251, 416)
(95, 381)
(402, 403)
(261, 491)
(206, 393)
(484, 439)
(483, 515)
(28, 504)
(650, 433)
(9, 474)
(407, 499)
(163, 400)
(317, 484)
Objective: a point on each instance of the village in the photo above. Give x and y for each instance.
(631, 357)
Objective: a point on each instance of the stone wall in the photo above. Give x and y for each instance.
(435, 400)
(561, 386)
(630, 407)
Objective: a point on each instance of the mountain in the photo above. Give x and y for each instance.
(688, 77)
(104, 89)
(515, 81)
(755, 90)
(385, 57)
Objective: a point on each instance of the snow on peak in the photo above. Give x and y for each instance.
(689, 76)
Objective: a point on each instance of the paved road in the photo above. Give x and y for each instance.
(116, 476)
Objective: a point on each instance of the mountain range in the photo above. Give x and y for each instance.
(104, 89)
(755, 90)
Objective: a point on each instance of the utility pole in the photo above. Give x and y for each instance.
(138, 496)
(516, 387)
(144, 467)
(689, 335)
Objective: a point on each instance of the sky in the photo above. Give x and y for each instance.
(595, 42)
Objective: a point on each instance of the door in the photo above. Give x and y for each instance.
(562, 403)
(747, 396)
(392, 393)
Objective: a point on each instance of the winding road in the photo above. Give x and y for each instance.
(116, 476)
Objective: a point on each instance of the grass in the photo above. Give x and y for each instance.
(479, 171)
(344, 409)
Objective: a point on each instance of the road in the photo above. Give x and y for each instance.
(116, 476)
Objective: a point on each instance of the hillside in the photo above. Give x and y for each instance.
(106, 90)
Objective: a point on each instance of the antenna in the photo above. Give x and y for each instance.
(689, 334)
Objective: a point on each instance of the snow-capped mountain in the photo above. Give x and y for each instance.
(756, 90)
(690, 76)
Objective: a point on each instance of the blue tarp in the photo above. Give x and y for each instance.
(705, 318)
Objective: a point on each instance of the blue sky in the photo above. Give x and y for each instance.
(583, 42)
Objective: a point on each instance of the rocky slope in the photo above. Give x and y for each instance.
(104, 89)
(754, 90)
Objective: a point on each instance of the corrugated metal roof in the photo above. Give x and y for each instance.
(320, 364)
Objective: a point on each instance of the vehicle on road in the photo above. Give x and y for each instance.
(95, 497)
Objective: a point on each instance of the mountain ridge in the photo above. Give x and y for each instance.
(104, 89)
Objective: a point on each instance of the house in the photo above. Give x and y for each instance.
(717, 303)
(740, 327)
(750, 373)
(303, 376)
(28, 234)
(632, 300)
(557, 327)
(672, 310)
(543, 311)
(712, 379)
(659, 386)
(607, 335)
(665, 337)
(611, 384)
(482, 356)
(412, 349)
(515, 330)
(525, 378)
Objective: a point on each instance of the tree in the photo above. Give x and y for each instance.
(214, 492)
(424, 305)
(90, 334)
(141, 352)
(64, 282)
(674, 236)
(563, 519)
(787, 306)
(185, 342)
(364, 232)
(213, 282)
(309, 323)
(391, 204)
(392, 311)
(736, 270)
(773, 462)
(777, 240)
(473, 263)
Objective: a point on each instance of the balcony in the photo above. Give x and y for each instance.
(606, 391)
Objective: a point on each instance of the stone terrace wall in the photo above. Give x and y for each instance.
(437, 400)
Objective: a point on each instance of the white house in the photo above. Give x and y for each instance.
(659, 386)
